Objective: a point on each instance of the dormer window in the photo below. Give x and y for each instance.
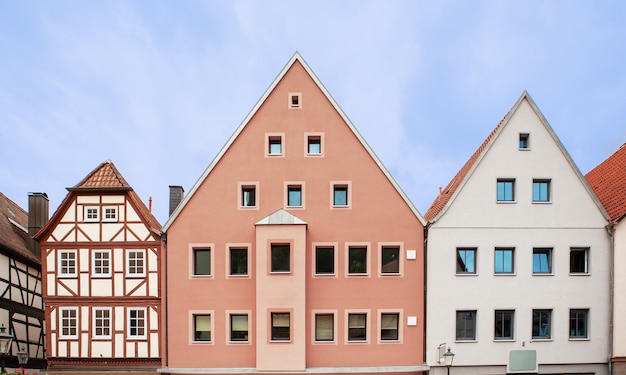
(110, 214)
(91, 213)
(295, 100)
(524, 141)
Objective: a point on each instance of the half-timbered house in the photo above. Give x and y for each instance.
(21, 304)
(101, 254)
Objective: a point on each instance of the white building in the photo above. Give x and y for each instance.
(518, 258)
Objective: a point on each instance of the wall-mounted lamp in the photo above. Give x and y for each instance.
(5, 343)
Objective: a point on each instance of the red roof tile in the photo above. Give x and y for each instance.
(14, 228)
(105, 175)
(608, 181)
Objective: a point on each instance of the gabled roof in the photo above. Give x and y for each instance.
(447, 195)
(608, 180)
(281, 217)
(105, 178)
(295, 58)
(14, 228)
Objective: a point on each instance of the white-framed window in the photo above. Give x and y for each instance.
(101, 263)
(248, 195)
(137, 323)
(202, 261)
(357, 327)
(68, 263)
(202, 327)
(275, 144)
(390, 259)
(294, 100)
(280, 258)
(238, 262)
(135, 263)
(325, 259)
(68, 324)
(295, 195)
(91, 213)
(358, 259)
(390, 326)
(340, 195)
(280, 326)
(324, 327)
(579, 261)
(109, 213)
(239, 329)
(101, 322)
(314, 144)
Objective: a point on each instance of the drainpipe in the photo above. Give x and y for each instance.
(426, 227)
(609, 229)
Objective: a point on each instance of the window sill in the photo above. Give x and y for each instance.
(543, 274)
(280, 273)
(505, 274)
(390, 274)
(357, 342)
(503, 340)
(202, 343)
(325, 275)
(333, 342)
(506, 202)
(524, 149)
(579, 274)
(247, 342)
(67, 276)
(357, 275)
(537, 202)
(465, 341)
(579, 339)
(201, 277)
(246, 276)
(466, 274)
(541, 340)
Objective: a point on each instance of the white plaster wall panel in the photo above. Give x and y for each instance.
(53, 340)
(51, 284)
(102, 349)
(111, 231)
(119, 345)
(53, 319)
(85, 318)
(131, 214)
(70, 214)
(101, 287)
(118, 260)
(153, 261)
(51, 262)
(154, 319)
(84, 264)
(63, 346)
(118, 283)
(154, 345)
(120, 319)
(139, 232)
(91, 232)
(107, 199)
(88, 199)
(131, 284)
(130, 349)
(73, 349)
(121, 213)
(85, 290)
(142, 349)
(61, 231)
(84, 345)
(153, 282)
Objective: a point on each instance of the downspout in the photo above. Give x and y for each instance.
(165, 326)
(609, 228)
(426, 227)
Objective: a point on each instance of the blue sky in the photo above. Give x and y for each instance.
(159, 86)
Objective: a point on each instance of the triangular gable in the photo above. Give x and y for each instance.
(292, 61)
(281, 217)
(446, 197)
(608, 180)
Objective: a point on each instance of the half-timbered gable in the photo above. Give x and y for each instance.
(21, 303)
(101, 255)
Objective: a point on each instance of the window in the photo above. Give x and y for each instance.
(238, 261)
(506, 190)
(136, 323)
(324, 260)
(541, 324)
(578, 260)
(466, 325)
(390, 262)
(275, 145)
(504, 325)
(504, 260)
(91, 213)
(324, 327)
(202, 327)
(281, 259)
(578, 323)
(542, 260)
(357, 327)
(67, 263)
(524, 141)
(69, 322)
(340, 195)
(314, 145)
(389, 326)
(281, 327)
(135, 265)
(295, 100)
(465, 260)
(202, 262)
(102, 322)
(357, 260)
(294, 196)
(541, 190)
(110, 214)
(248, 196)
(238, 327)
(101, 263)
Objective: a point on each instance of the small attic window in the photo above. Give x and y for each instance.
(524, 141)
(295, 100)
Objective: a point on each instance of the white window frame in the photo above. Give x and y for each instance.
(307, 138)
(290, 185)
(290, 103)
(114, 218)
(94, 267)
(95, 321)
(382, 312)
(128, 266)
(62, 325)
(229, 314)
(316, 245)
(86, 214)
(129, 319)
(243, 185)
(314, 314)
(368, 326)
(61, 267)
(272, 136)
(341, 184)
(383, 245)
(368, 259)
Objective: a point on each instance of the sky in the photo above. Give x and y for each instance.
(158, 87)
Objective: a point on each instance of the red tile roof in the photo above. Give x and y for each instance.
(14, 229)
(105, 175)
(444, 196)
(608, 181)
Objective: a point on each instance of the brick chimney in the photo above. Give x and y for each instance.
(38, 215)
(176, 196)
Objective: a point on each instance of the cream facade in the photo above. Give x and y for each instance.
(518, 259)
(102, 278)
(296, 251)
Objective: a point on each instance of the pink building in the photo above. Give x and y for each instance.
(296, 250)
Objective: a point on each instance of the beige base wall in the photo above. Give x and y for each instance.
(619, 368)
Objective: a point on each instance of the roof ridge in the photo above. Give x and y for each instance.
(105, 175)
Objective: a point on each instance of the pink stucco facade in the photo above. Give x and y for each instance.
(294, 153)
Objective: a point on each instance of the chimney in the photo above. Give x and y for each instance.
(38, 215)
(176, 196)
